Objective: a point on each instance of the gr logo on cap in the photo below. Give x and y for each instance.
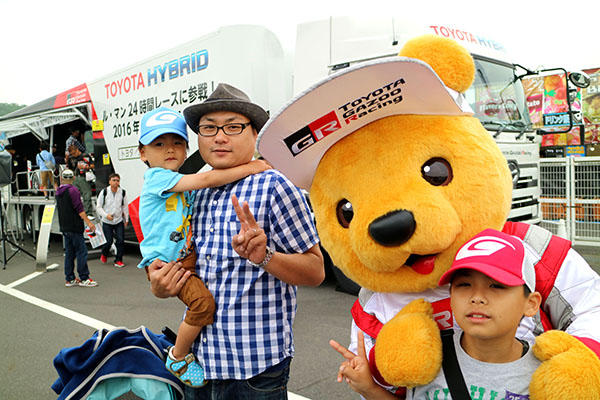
(160, 121)
(500, 256)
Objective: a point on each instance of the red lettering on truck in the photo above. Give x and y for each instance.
(125, 85)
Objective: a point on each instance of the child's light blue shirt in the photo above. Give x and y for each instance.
(162, 214)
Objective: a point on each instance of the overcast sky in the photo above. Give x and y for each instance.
(47, 47)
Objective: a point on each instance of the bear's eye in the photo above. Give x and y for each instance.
(344, 212)
(437, 171)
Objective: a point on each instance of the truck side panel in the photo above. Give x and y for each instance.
(248, 57)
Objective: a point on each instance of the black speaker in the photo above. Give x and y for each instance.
(5, 168)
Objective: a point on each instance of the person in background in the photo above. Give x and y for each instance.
(46, 162)
(19, 165)
(76, 139)
(112, 208)
(71, 217)
(60, 159)
(80, 163)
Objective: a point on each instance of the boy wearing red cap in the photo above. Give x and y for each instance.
(492, 287)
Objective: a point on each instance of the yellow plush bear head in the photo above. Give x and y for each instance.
(395, 200)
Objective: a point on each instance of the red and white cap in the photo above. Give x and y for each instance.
(500, 256)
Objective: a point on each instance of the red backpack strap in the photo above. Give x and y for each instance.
(552, 250)
(518, 229)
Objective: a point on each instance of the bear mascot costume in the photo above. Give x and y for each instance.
(400, 175)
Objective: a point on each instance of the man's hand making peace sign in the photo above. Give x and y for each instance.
(251, 241)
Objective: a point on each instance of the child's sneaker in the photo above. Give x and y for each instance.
(188, 370)
(72, 283)
(103, 259)
(119, 264)
(88, 283)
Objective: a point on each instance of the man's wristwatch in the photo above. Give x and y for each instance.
(264, 262)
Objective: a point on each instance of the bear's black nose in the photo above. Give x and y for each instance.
(393, 228)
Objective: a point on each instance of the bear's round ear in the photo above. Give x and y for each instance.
(452, 62)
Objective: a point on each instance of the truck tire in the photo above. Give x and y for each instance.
(27, 216)
(35, 181)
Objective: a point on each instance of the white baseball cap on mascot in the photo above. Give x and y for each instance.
(297, 137)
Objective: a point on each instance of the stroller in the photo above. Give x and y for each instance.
(115, 362)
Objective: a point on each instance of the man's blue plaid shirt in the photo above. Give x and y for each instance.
(252, 330)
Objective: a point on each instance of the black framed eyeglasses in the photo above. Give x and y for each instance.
(228, 129)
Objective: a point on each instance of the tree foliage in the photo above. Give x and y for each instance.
(6, 108)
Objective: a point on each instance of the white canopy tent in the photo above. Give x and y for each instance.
(40, 123)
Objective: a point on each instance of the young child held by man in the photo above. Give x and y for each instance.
(492, 287)
(165, 210)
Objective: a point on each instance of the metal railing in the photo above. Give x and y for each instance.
(27, 183)
(570, 198)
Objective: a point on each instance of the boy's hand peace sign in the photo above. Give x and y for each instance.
(356, 372)
(355, 369)
(251, 241)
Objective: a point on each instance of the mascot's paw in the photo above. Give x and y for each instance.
(569, 369)
(408, 351)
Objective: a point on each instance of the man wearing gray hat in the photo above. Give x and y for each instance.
(251, 256)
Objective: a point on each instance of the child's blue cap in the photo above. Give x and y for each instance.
(160, 121)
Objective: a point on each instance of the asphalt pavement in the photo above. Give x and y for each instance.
(40, 316)
(32, 334)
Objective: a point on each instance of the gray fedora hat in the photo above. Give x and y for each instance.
(226, 98)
